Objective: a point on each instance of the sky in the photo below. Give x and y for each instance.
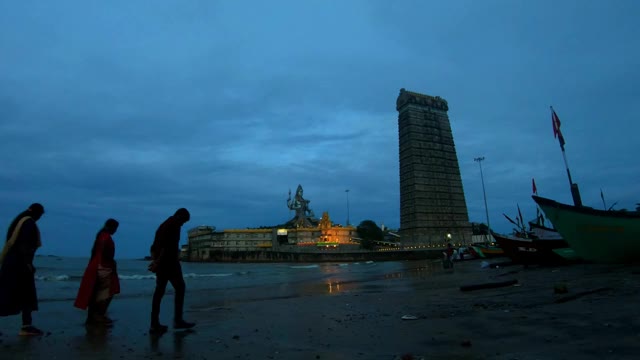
(132, 109)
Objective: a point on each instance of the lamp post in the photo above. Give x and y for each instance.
(347, 191)
(486, 209)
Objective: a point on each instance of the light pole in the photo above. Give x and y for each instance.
(486, 209)
(347, 191)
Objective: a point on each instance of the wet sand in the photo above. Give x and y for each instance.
(364, 320)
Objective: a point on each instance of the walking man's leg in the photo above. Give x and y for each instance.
(161, 286)
(177, 281)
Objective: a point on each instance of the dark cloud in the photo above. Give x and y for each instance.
(120, 110)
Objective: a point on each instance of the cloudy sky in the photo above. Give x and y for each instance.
(131, 109)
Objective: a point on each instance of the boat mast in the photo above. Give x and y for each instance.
(575, 191)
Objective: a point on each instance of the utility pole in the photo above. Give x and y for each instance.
(347, 191)
(484, 193)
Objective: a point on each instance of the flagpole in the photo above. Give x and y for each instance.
(575, 192)
(566, 165)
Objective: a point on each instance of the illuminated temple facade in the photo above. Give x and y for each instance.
(302, 233)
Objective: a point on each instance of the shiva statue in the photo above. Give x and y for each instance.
(301, 206)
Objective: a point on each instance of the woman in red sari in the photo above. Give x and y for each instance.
(100, 280)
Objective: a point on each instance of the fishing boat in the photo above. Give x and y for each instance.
(595, 235)
(534, 245)
(529, 249)
(488, 250)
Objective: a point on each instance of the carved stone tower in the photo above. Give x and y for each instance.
(433, 209)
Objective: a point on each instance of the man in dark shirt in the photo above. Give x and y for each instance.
(165, 253)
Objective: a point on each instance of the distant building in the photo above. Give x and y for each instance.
(303, 233)
(433, 209)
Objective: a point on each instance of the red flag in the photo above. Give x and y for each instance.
(533, 184)
(556, 128)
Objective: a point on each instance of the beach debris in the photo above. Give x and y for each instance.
(409, 356)
(499, 264)
(581, 294)
(560, 289)
(488, 285)
(508, 273)
(465, 343)
(409, 317)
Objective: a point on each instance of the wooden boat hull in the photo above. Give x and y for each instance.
(488, 251)
(596, 235)
(531, 251)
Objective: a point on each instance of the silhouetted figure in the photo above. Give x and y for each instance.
(165, 253)
(17, 274)
(100, 280)
(447, 262)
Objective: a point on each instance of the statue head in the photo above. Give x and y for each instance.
(299, 191)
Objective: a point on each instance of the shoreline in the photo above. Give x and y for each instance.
(318, 256)
(363, 320)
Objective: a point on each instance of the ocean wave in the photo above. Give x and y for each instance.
(54, 278)
(192, 275)
(136, 277)
(304, 266)
(65, 277)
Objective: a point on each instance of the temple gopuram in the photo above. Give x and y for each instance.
(302, 233)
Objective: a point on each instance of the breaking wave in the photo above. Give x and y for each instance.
(304, 266)
(65, 277)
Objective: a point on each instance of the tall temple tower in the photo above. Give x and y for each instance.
(433, 210)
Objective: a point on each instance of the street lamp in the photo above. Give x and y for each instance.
(347, 191)
(486, 209)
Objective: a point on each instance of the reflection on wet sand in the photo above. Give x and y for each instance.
(178, 341)
(336, 279)
(336, 285)
(96, 337)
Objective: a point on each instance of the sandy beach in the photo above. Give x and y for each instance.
(364, 321)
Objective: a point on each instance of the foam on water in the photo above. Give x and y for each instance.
(126, 277)
(304, 266)
(136, 277)
(192, 275)
(53, 278)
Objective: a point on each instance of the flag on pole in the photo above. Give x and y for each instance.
(556, 128)
(533, 184)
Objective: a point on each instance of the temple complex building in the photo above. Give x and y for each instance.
(301, 233)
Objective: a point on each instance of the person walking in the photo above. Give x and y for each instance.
(17, 274)
(165, 254)
(100, 280)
